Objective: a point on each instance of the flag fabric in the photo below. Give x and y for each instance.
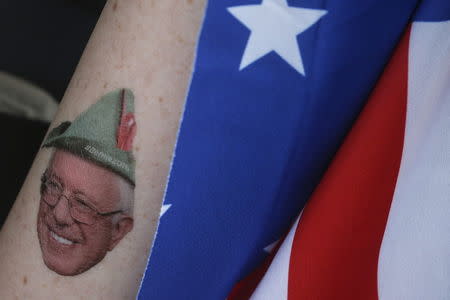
(275, 92)
(392, 163)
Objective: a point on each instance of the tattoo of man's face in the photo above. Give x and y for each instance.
(86, 196)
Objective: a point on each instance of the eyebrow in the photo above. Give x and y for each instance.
(86, 199)
(75, 191)
(48, 173)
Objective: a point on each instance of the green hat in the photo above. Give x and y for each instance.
(102, 134)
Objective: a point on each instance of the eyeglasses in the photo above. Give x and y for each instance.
(80, 209)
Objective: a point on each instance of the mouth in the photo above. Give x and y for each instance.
(61, 239)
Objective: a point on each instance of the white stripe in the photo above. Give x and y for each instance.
(274, 284)
(414, 261)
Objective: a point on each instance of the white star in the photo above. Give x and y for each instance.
(164, 209)
(274, 26)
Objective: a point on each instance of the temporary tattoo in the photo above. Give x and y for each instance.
(87, 190)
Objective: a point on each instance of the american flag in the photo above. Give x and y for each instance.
(313, 157)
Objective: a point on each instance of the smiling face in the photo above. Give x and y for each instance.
(68, 246)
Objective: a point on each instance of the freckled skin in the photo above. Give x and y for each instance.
(91, 242)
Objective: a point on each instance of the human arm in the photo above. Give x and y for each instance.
(147, 47)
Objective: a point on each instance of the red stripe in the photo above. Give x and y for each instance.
(337, 242)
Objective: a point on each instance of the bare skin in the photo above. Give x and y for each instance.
(147, 46)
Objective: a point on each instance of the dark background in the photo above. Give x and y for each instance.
(41, 41)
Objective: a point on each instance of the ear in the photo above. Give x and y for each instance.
(120, 229)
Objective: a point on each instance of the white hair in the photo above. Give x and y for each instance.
(126, 202)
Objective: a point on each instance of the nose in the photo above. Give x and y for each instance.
(61, 211)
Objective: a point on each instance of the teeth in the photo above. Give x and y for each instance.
(61, 239)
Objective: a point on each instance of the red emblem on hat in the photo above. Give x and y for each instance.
(127, 127)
